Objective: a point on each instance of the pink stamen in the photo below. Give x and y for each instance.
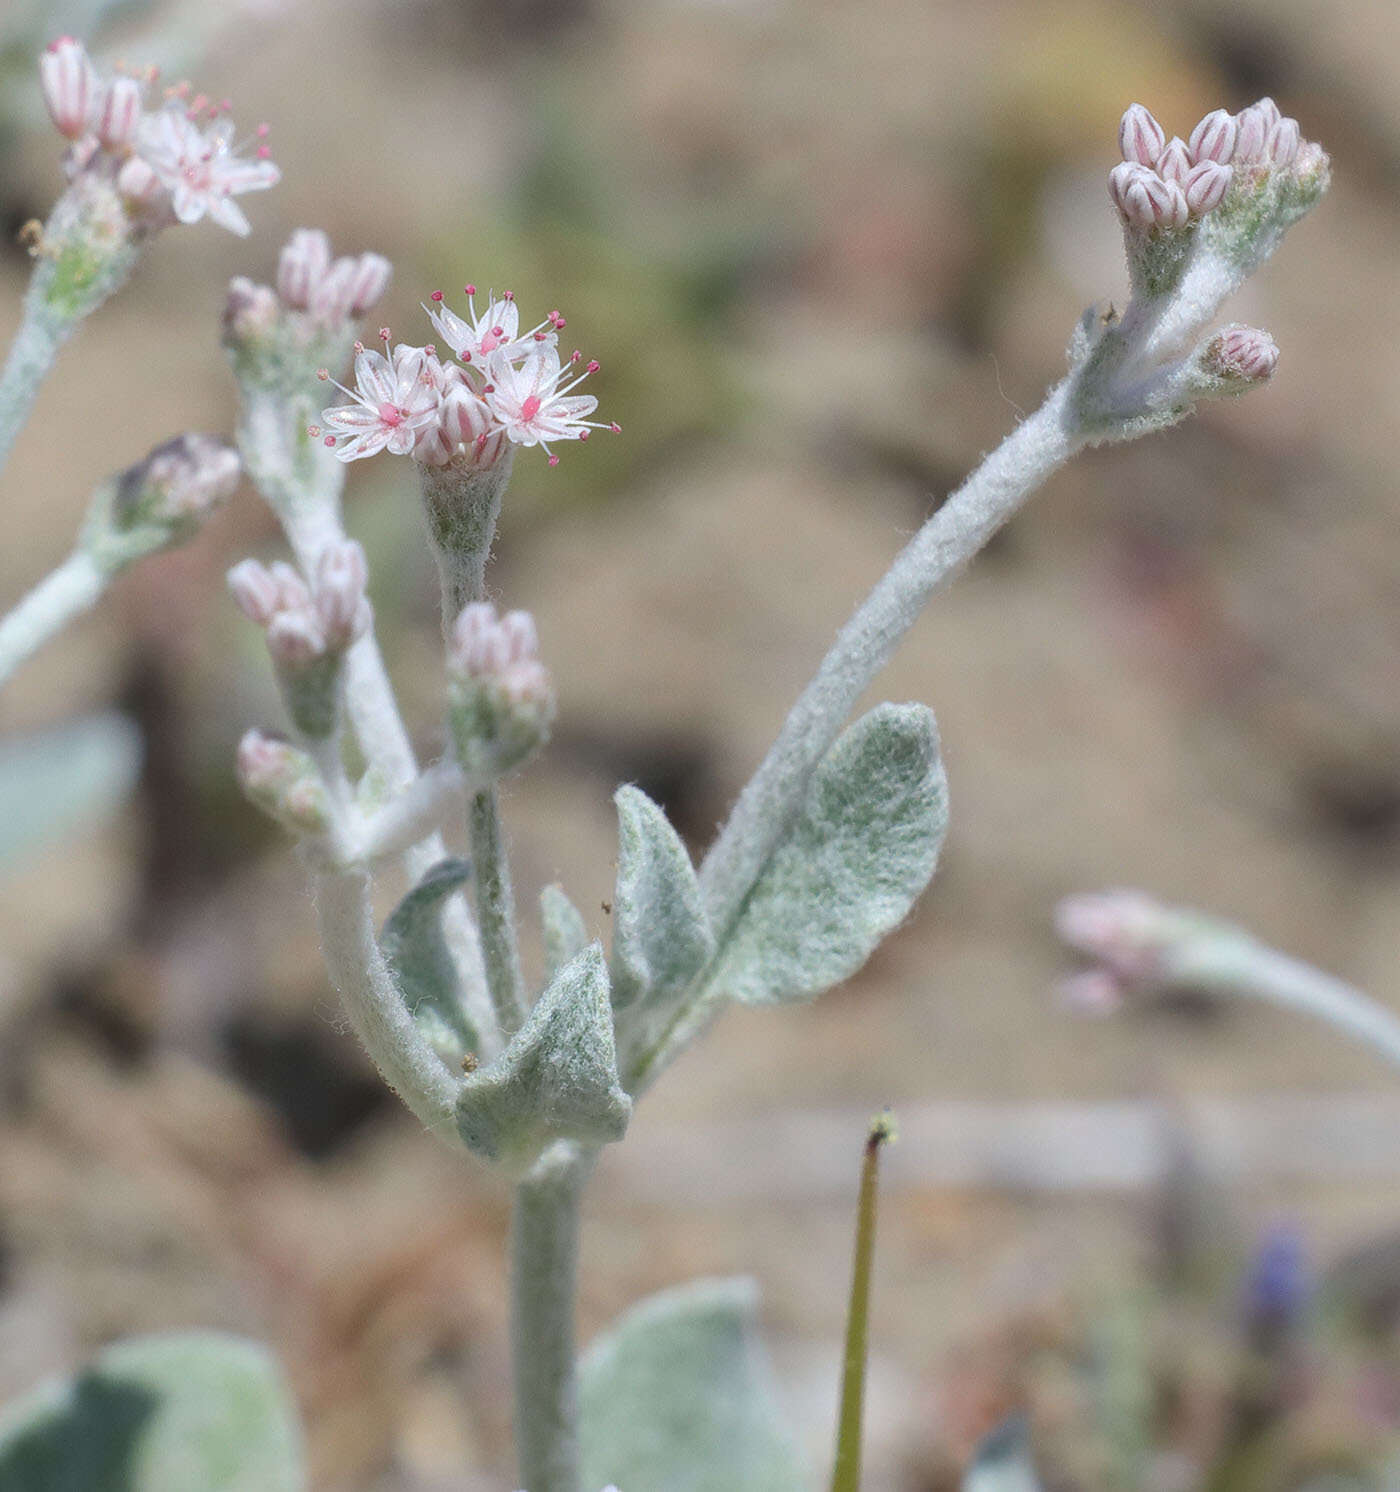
(615, 428)
(507, 295)
(593, 365)
(436, 295)
(530, 408)
(264, 151)
(263, 131)
(471, 289)
(553, 459)
(329, 441)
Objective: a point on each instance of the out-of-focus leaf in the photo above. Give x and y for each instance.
(565, 932)
(676, 1397)
(55, 782)
(195, 1412)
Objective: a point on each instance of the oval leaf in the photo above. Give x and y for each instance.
(677, 1397)
(422, 964)
(158, 1414)
(557, 1080)
(864, 847)
(565, 932)
(661, 936)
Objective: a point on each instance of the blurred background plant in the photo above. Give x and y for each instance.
(825, 256)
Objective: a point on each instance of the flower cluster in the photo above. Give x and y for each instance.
(505, 387)
(176, 163)
(1163, 183)
(501, 697)
(305, 623)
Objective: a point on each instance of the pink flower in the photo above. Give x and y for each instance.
(201, 167)
(494, 331)
(533, 407)
(391, 404)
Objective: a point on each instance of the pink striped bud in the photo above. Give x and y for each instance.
(340, 604)
(1121, 930)
(251, 311)
(433, 447)
(254, 590)
(1213, 139)
(1282, 144)
(501, 700)
(1242, 352)
(120, 114)
(301, 266)
(330, 300)
(1252, 134)
(295, 638)
(1174, 161)
(1140, 137)
(70, 86)
(1206, 185)
(1270, 111)
(369, 282)
(283, 781)
(464, 415)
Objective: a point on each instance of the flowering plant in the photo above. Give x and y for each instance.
(826, 850)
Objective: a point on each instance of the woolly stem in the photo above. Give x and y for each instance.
(495, 912)
(544, 1244)
(302, 484)
(372, 1002)
(32, 354)
(66, 593)
(768, 805)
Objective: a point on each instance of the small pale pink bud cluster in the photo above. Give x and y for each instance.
(1242, 352)
(283, 781)
(1163, 183)
(333, 291)
(305, 623)
(507, 386)
(180, 482)
(178, 163)
(503, 651)
(501, 699)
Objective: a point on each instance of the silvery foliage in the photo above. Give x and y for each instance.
(191, 1412)
(826, 851)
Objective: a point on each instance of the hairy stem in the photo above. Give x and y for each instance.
(773, 797)
(373, 1005)
(66, 593)
(302, 484)
(32, 354)
(544, 1241)
(495, 912)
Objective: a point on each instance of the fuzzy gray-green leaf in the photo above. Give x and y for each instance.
(661, 938)
(863, 848)
(676, 1397)
(422, 963)
(565, 932)
(557, 1080)
(158, 1414)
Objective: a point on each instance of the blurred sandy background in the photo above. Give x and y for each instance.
(826, 253)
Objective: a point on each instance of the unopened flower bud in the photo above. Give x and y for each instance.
(1283, 141)
(1206, 185)
(301, 266)
(295, 640)
(1140, 137)
(1122, 930)
(70, 86)
(1174, 161)
(1242, 354)
(255, 591)
(501, 700)
(119, 114)
(369, 282)
(1213, 139)
(331, 300)
(463, 415)
(1094, 992)
(251, 312)
(179, 483)
(1252, 134)
(1269, 111)
(340, 603)
(283, 781)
